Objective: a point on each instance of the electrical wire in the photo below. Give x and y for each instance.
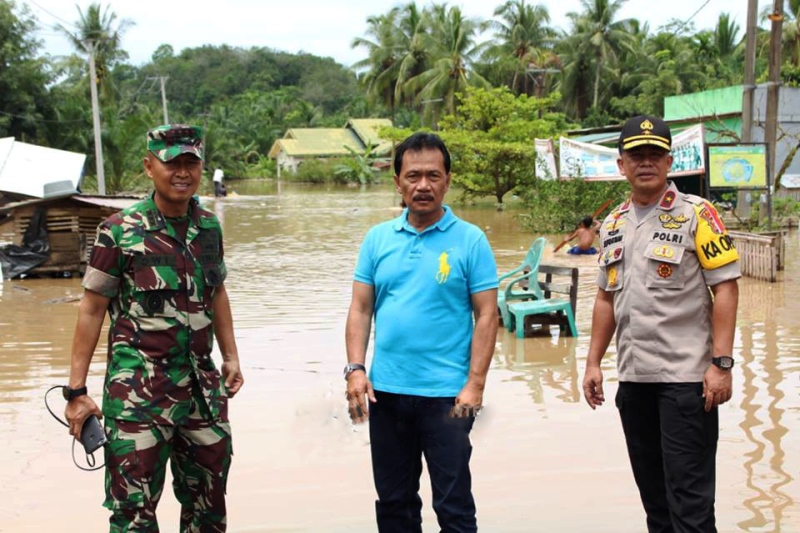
(687, 21)
(47, 120)
(52, 15)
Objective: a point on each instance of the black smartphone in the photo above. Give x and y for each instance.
(92, 434)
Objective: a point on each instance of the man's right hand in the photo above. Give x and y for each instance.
(358, 389)
(77, 411)
(593, 386)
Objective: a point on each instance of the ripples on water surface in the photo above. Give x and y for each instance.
(291, 254)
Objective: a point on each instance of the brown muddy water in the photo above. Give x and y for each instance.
(543, 461)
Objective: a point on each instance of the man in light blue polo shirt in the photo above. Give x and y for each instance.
(429, 279)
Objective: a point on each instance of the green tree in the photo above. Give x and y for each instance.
(98, 31)
(380, 69)
(451, 39)
(24, 102)
(603, 37)
(523, 40)
(491, 139)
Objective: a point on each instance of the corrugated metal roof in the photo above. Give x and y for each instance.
(318, 142)
(322, 142)
(113, 202)
(367, 131)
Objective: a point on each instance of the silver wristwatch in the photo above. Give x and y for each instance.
(349, 368)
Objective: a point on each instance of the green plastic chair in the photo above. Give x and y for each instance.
(515, 289)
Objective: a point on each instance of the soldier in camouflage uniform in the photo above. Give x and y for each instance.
(157, 268)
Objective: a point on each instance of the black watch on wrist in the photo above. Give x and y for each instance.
(723, 362)
(349, 368)
(71, 394)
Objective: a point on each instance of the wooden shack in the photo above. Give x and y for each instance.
(71, 226)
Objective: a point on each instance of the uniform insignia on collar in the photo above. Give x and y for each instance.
(664, 270)
(668, 200)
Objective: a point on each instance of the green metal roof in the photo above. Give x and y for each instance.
(322, 142)
(711, 103)
(317, 142)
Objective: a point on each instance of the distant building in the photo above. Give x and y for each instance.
(301, 144)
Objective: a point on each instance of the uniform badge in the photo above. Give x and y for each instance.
(664, 251)
(612, 276)
(670, 222)
(668, 200)
(155, 303)
(710, 215)
(664, 270)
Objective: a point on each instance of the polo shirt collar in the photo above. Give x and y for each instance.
(447, 220)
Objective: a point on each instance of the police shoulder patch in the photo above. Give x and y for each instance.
(714, 246)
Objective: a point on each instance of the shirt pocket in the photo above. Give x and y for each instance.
(155, 289)
(611, 265)
(664, 266)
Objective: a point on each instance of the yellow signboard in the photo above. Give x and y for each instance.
(741, 166)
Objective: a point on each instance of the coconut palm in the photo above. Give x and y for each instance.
(602, 36)
(451, 39)
(523, 35)
(379, 71)
(99, 29)
(412, 51)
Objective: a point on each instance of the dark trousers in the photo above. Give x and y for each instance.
(402, 429)
(672, 445)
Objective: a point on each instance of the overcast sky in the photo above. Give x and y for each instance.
(320, 27)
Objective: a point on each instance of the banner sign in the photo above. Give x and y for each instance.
(741, 166)
(545, 159)
(587, 161)
(688, 155)
(595, 162)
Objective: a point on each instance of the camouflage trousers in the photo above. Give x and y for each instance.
(199, 452)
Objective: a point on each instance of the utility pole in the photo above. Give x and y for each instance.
(163, 80)
(98, 142)
(773, 92)
(164, 98)
(748, 95)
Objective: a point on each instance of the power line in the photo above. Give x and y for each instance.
(52, 15)
(31, 119)
(687, 21)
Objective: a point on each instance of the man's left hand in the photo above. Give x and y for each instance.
(716, 387)
(232, 375)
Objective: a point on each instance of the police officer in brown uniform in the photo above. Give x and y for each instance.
(661, 252)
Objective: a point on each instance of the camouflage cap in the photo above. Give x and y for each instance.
(169, 141)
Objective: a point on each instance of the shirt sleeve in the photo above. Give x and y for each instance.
(365, 267)
(483, 268)
(713, 244)
(104, 272)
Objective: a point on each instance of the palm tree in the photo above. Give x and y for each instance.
(791, 32)
(576, 77)
(602, 35)
(451, 39)
(412, 51)
(99, 29)
(523, 35)
(380, 69)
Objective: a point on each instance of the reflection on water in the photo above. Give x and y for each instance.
(291, 253)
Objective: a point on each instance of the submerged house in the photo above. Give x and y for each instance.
(302, 144)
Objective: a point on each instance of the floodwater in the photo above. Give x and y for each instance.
(543, 461)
